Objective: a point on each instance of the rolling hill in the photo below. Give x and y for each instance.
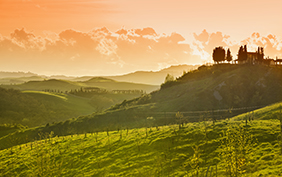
(241, 88)
(33, 108)
(131, 138)
(64, 85)
(141, 77)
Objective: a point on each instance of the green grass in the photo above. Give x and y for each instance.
(78, 104)
(269, 112)
(7, 129)
(42, 94)
(155, 151)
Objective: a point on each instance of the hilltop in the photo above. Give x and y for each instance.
(217, 87)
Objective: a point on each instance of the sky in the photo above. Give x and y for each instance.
(114, 37)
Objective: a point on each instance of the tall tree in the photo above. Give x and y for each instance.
(242, 53)
(260, 54)
(228, 55)
(218, 54)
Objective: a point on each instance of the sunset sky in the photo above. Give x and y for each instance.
(109, 37)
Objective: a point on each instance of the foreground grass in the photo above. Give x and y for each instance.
(173, 150)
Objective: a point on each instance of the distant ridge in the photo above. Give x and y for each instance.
(5, 74)
(154, 77)
(99, 79)
(66, 85)
(142, 77)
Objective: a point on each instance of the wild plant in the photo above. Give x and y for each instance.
(179, 119)
(195, 161)
(43, 160)
(235, 148)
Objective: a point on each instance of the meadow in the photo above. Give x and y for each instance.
(246, 145)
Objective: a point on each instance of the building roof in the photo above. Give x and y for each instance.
(252, 53)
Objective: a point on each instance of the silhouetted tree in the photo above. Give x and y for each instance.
(260, 54)
(242, 53)
(228, 55)
(218, 54)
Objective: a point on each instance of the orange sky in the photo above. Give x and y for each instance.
(181, 31)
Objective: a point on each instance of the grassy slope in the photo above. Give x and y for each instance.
(6, 129)
(218, 87)
(266, 113)
(79, 105)
(33, 108)
(236, 86)
(162, 151)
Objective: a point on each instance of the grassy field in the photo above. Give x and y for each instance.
(231, 147)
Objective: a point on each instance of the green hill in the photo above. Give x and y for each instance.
(33, 108)
(222, 148)
(218, 87)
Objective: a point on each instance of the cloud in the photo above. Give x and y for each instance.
(205, 42)
(125, 50)
(271, 43)
(22, 35)
(103, 52)
(145, 31)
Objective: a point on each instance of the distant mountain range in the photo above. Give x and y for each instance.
(143, 77)
(154, 77)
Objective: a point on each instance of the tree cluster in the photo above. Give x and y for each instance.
(220, 55)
